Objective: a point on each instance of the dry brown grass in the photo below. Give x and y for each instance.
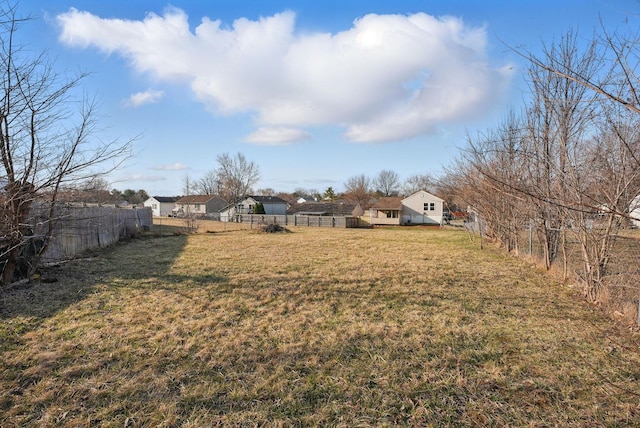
(317, 327)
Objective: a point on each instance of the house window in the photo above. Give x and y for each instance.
(429, 206)
(155, 206)
(197, 207)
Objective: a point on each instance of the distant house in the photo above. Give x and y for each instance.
(342, 209)
(199, 205)
(634, 212)
(161, 206)
(386, 211)
(306, 198)
(419, 208)
(273, 205)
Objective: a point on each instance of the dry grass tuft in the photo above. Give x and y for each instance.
(317, 327)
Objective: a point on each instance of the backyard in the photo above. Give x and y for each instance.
(338, 327)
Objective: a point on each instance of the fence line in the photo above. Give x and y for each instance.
(78, 229)
(299, 220)
(620, 287)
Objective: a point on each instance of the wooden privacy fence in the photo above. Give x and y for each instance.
(299, 220)
(79, 229)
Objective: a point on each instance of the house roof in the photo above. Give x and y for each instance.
(195, 199)
(323, 208)
(166, 199)
(268, 199)
(388, 203)
(424, 193)
(213, 203)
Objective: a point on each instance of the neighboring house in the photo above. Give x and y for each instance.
(634, 211)
(273, 205)
(306, 198)
(341, 209)
(386, 211)
(422, 208)
(419, 208)
(199, 205)
(161, 206)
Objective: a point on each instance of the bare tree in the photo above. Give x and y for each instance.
(187, 185)
(237, 175)
(493, 177)
(559, 117)
(41, 148)
(570, 168)
(358, 189)
(267, 191)
(387, 183)
(208, 185)
(418, 182)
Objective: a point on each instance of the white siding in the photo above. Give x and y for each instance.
(422, 208)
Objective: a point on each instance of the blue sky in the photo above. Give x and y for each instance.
(312, 91)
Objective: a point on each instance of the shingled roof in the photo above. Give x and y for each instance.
(166, 199)
(323, 208)
(388, 203)
(195, 199)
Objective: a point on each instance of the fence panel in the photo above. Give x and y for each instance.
(296, 220)
(78, 229)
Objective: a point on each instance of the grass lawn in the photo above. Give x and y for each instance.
(327, 327)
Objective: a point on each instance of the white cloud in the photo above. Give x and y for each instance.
(173, 167)
(277, 136)
(386, 78)
(141, 98)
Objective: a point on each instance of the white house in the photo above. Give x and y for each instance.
(634, 211)
(161, 206)
(199, 205)
(273, 205)
(419, 208)
(422, 208)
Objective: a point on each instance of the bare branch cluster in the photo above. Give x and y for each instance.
(232, 179)
(567, 167)
(45, 145)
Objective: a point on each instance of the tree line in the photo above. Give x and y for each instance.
(566, 166)
(236, 176)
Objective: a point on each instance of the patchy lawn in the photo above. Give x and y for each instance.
(332, 327)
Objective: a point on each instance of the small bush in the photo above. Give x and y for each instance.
(275, 228)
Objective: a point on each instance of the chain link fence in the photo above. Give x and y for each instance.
(619, 287)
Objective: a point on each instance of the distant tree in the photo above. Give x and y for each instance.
(237, 175)
(95, 183)
(329, 194)
(207, 185)
(418, 182)
(94, 189)
(117, 195)
(187, 185)
(135, 197)
(259, 208)
(387, 183)
(268, 191)
(358, 189)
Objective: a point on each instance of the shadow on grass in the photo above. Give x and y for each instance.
(68, 283)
